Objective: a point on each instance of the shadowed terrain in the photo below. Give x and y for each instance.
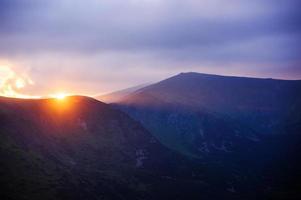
(193, 136)
(78, 148)
(190, 107)
(243, 125)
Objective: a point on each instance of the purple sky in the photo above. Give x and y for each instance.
(96, 46)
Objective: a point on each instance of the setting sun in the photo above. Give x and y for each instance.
(60, 96)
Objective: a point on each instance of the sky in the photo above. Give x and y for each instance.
(91, 47)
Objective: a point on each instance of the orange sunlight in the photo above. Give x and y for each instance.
(60, 103)
(59, 96)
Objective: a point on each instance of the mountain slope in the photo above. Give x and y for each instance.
(263, 104)
(119, 95)
(221, 93)
(247, 125)
(79, 148)
(49, 144)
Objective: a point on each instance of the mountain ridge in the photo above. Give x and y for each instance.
(76, 148)
(180, 105)
(235, 121)
(155, 141)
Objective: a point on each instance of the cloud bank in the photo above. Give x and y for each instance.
(100, 45)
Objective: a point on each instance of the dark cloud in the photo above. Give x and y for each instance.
(122, 25)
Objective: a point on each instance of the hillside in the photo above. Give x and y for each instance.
(120, 94)
(266, 105)
(247, 125)
(78, 148)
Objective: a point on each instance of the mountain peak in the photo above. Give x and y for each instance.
(205, 75)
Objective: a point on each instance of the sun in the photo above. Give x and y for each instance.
(60, 103)
(60, 96)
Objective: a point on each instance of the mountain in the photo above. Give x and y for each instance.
(168, 140)
(247, 125)
(120, 94)
(80, 148)
(256, 106)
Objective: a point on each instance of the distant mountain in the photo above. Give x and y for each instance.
(263, 104)
(222, 93)
(119, 95)
(245, 124)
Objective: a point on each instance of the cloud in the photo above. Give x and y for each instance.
(93, 26)
(98, 45)
(12, 83)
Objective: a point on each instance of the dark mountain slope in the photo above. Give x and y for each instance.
(80, 148)
(179, 105)
(119, 95)
(222, 92)
(248, 127)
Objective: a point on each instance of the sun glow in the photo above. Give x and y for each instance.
(60, 96)
(59, 103)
